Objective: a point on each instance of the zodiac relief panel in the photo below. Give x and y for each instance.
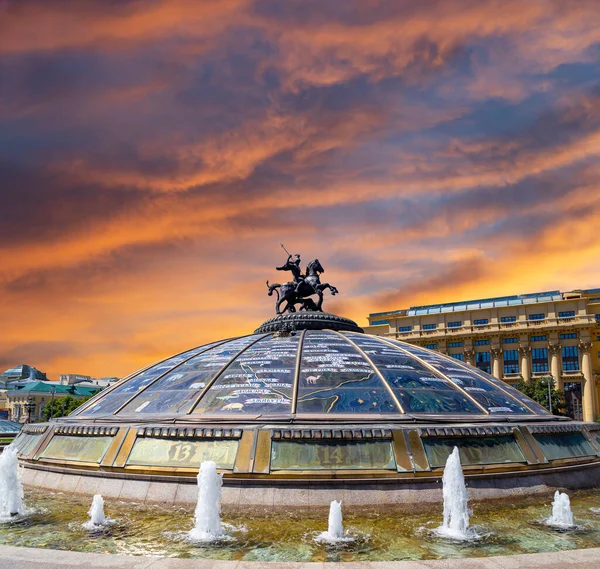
(182, 454)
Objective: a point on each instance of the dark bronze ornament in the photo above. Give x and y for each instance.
(301, 288)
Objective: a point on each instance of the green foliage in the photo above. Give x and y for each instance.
(62, 406)
(538, 391)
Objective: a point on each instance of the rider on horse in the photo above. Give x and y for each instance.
(294, 266)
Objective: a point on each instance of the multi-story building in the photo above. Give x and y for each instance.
(528, 336)
(27, 403)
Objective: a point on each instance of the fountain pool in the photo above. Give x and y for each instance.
(514, 526)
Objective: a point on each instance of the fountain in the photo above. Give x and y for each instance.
(456, 511)
(335, 529)
(11, 488)
(562, 516)
(96, 513)
(208, 526)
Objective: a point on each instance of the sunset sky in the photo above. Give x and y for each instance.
(154, 154)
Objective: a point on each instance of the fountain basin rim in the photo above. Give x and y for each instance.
(397, 479)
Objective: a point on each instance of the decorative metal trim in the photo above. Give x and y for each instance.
(188, 433)
(308, 321)
(551, 429)
(86, 431)
(34, 429)
(466, 431)
(332, 434)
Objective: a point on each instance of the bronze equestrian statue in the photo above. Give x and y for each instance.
(301, 288)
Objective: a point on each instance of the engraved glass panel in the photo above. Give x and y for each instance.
(25, 443)
(182, 454)
(473, 450)
(111, 401)
(419, 389)
(336, 378)
(178, 389)
(84, 449)
(260, 381)
(309, 455)
(564, 445)
(494, 395)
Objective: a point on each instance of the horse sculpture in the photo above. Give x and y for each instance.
(299, 291)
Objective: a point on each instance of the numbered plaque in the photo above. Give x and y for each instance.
(182, 454)
(373, 455)
(83, 449)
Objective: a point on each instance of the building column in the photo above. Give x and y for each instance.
(589, 389)
(496, 363)
(524, 352)
(554, 350)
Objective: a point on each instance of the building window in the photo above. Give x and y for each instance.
(570, 358)
(509, 340)
(570, 336)
(482, 361)
(508, 319)
(539, 360)
(597, 338)
(455, 344)
(457, 357)
(566, 314)
(480, 322)
(597, 317)
(378, 322)
(429, 326)
(482, 342)
(430, 346)
(405, 329)
(538, 338)
(537, 317)
(511, 361)
(456, 324)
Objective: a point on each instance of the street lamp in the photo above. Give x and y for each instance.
(29, 407)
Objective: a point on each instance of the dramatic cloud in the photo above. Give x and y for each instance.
(154, 154)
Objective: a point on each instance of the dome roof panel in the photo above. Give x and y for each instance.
(335, 377)
(260, 381)
(177, 391)
(495, 395)
(418, 388)
(111, 400)
(312, 372)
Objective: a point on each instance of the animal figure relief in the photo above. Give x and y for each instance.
(233, 407)
(301, 288)
(312, 379)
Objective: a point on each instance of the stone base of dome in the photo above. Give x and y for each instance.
(241, 494)
(287, 323)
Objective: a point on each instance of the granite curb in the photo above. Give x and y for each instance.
(30, 558)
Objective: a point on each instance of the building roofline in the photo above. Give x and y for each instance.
(510, 300)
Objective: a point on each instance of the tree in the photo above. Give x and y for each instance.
(538, 391)
(62, 406)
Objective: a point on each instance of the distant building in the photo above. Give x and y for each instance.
(85, 380)
(21, 374)
(529, 335)
(39, 394)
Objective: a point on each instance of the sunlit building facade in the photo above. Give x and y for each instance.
(530, 336)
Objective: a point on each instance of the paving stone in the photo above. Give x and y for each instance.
(87, 485)
(186, 494)
(110, 487)
(161, 492)
(135, 490)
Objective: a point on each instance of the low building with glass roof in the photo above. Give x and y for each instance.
(308, 403)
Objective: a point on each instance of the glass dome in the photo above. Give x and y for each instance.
(310, 373)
